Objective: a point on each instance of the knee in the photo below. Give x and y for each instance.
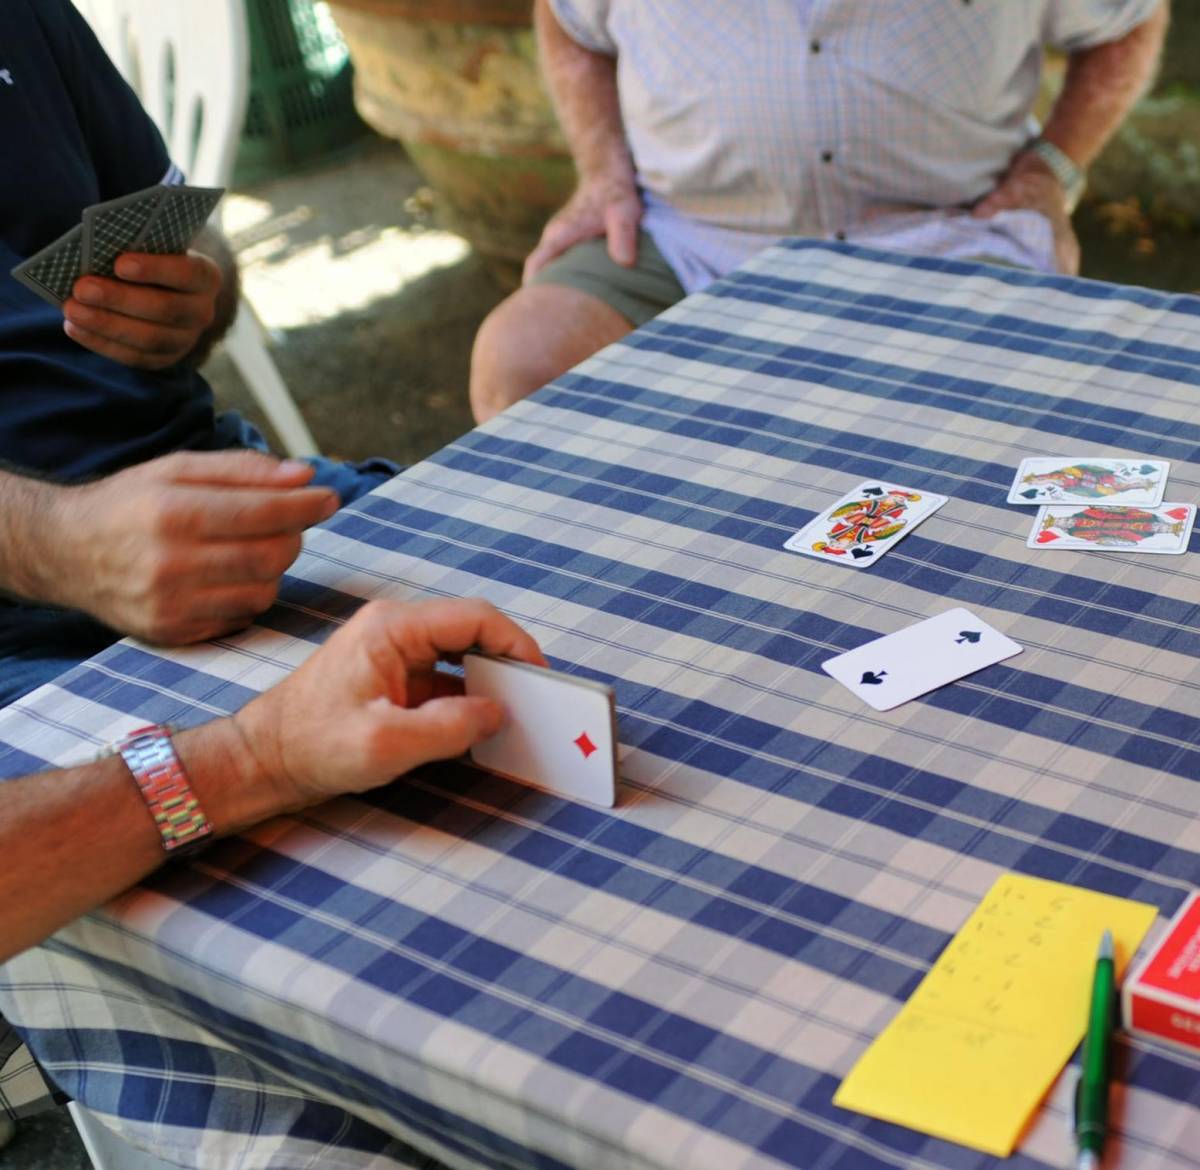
(507, 359)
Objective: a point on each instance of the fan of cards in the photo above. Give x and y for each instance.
(159, 220)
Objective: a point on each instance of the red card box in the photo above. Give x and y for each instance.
(1161, 999)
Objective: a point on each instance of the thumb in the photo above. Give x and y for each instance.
(446, 727)
(988, 207)
(621, 226)
(234, 469)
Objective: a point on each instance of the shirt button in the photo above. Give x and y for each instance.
(827, 156)
(815, 46)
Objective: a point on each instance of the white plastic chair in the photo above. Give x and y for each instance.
(189, 62)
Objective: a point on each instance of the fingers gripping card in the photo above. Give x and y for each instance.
(177, 219)
(899, 667)
(860, 527)
(1167, 529)
(560, 734)
(1090, 479)
(52, 272)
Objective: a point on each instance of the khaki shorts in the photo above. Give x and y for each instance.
(637, 293)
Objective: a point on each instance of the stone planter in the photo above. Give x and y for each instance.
(456, 81)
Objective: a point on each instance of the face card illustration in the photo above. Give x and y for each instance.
(1090, 479)
(1166, 529)
(864, 524)
(52, 272)
(899, 667)
(177, 220)
(111, 228)
(561, 730)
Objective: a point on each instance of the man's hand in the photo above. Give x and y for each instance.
(607, 205)
(182, 548)
(1030, 185)
(153, 317)
(370, 704)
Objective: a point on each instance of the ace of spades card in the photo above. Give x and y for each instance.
(894, 669)
(860, 527)
(560, 734)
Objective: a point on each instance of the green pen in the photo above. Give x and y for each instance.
(1091, 1093)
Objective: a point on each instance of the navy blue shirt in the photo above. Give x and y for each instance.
(73, 133)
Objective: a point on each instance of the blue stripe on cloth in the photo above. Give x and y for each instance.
(675, 1063)
(794, 637)
(15, 763)
(1003, 331)
(958, 395)
(942, 569)
(1073, 286)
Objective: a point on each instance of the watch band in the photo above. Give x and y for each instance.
(150, 756)
(1062, 166)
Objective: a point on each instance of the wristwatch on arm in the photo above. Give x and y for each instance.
(151, 758)
(1072, 177)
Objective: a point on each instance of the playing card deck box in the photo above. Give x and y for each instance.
(1161, 997)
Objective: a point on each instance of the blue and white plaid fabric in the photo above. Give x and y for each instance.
(882, 120)
(512, 982)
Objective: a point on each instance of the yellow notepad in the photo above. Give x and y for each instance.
(980, 1041)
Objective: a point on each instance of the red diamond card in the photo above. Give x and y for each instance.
(561, 730)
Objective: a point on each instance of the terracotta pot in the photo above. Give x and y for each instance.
(457, 82)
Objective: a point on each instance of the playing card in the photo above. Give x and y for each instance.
(52, 272)
(1166, 529)
(561, 730)
(864, 524)
(111, 228)
(177, 219)
(1090, 479)
(893, 669)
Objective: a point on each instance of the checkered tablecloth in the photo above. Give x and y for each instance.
(510, 981)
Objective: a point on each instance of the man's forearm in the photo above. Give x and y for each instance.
(1101, 87)
(72, 840)
(583, 86)
(30, 515)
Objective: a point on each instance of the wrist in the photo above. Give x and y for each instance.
(1045, 158)
(228, 777)
(36, 541)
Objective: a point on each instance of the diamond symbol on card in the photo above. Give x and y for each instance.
(584, 744)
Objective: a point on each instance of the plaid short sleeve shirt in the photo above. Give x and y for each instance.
(832, 118)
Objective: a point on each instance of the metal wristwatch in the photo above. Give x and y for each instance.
(151, 758)
(1073, 178)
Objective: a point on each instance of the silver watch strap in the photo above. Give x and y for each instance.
(1072, 177)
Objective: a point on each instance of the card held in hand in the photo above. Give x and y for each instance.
(177, 220)
(52, 272)
(561, 730)
(860, 527)
(894, 669)
(109, 229)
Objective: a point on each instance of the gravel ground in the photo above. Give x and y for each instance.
(375, 309)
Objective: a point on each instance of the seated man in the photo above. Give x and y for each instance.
(367, 706)
(103, 531)
(703, 131)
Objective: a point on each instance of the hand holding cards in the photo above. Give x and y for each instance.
(159, 220)
(560, 734)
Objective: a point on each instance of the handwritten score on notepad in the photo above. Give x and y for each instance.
(982, 1038)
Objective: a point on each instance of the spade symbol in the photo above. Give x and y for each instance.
(967, 636)
(873, 491)
(1031, 494)
(872, 678)
(859, 553)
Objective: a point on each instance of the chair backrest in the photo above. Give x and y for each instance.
(189, 62)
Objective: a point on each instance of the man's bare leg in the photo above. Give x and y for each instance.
(533, 336)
